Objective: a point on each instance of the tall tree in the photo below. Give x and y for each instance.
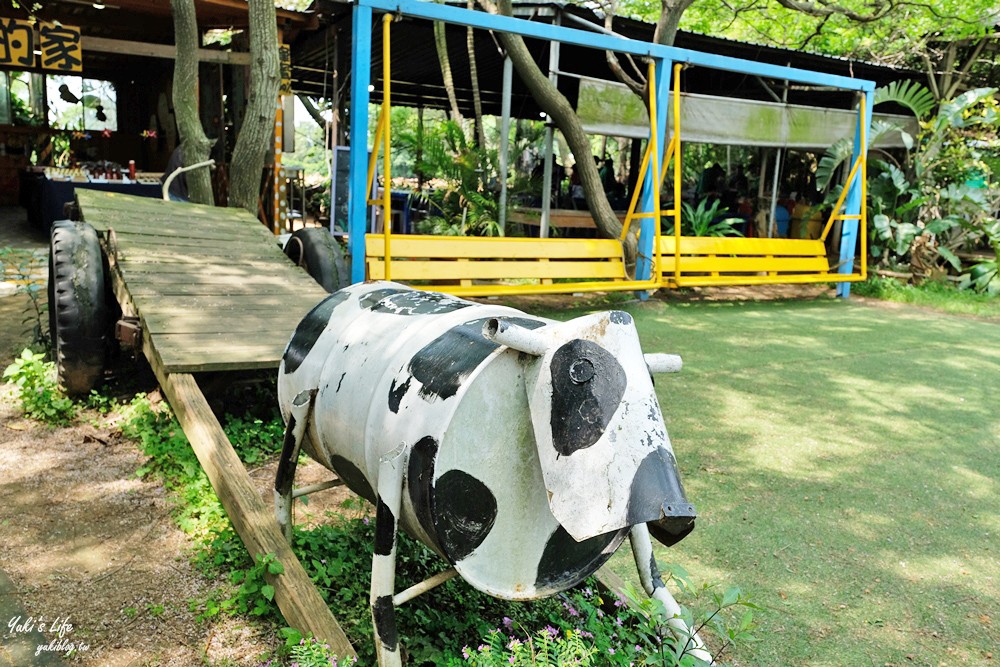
(441, 45)
(256, 136)
(477, 99)
(195, 146)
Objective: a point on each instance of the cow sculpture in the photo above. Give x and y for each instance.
(522, 450)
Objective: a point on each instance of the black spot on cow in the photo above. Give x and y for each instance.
(657, 499)
(352, 477)
(411, 302)
(385, 528)
(310, 329)
(464, 512)
(396, 393)
(371, 299)
(340, 381)
(442, 365)
(620, 317)
(419, 482)
(384, 617)
(565, 561)
(587, 386)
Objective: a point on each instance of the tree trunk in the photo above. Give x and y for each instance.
(561, 112)
(195, 146)
(477, 100)
(257, 133)
(441, 44)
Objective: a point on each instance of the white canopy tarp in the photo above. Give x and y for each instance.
(609, 108)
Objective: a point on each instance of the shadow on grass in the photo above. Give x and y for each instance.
(845, 465)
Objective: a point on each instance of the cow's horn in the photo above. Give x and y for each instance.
(515, 337)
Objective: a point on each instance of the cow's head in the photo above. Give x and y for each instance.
(602, 444)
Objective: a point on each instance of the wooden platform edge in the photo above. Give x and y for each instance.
(297, 597)
(253, 520)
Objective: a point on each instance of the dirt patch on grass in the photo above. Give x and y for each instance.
(88, 543)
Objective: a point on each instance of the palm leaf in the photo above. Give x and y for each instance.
(908, 93)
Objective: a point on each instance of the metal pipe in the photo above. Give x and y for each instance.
(180, 170)
(386, 151)
(298, 418)
(508, 74)
(426, 585)
(652, 583)
(313, 488)
(663, 363)
(515, 337)
(543, 227)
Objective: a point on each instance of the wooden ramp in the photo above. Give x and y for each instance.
(210, 285)
(213, 292)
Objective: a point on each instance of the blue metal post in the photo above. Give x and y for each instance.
(648, 203)
(358, 185)
(852, 205)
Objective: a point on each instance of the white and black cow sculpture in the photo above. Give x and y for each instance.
(522, 450)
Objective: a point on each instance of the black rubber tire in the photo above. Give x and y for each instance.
(78, 311)
(319, 253)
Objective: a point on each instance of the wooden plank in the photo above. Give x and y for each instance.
(494, 289)
(475, 247)
(704, 281)
(498, 270)
(299, 601)
(247, 323)
(126, 243)
(209, 230)
(234, 267)
(699, 264)
(126, 47)
(238, 302)
(728, 245)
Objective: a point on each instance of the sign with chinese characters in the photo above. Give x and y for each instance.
(285, 55)
(17, 43)
(60, 45)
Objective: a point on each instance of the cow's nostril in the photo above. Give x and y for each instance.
(581, 370)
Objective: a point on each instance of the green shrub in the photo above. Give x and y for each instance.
(38, 389)
(310, 653)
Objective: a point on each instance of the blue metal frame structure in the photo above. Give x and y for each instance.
(664, 57)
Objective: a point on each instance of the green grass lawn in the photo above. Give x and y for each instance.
(845, 463)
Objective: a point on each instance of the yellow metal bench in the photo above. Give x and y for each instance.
(460, 265)
(736, 261)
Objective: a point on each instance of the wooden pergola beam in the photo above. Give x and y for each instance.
(168, 51)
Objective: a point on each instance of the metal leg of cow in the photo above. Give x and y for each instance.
(298, 418)
(649, 575)
(391, 469)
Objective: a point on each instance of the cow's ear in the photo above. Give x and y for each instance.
(596, 420)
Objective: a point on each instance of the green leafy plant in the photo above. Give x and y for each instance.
(41, 398)
(311, 653)
(706, 219)
(545, 647)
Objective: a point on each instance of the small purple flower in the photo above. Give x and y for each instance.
(618, 621)
(586, 635)
(508, 622)
(551, 631)
(588, 593)
(365, 520)
(465, 652)
(611, 651)
(511, 660)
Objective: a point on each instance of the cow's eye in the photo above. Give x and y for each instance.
(581, 370)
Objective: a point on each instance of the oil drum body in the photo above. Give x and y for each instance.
(393, 366)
